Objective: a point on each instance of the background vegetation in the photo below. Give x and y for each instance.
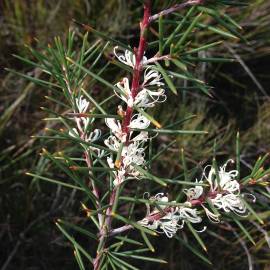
(239, 102)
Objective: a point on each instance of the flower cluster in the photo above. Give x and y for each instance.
(82, 124)
(130, 145)
(166, 218)
(222, 193)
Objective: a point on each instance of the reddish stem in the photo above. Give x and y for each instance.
(139, 53)
(135, 87)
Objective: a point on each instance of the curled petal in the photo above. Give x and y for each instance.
(170, 227)
(116, 129)
(128, 58)
(152, 77)
(189, 214)
(94, 135)
(82, 104)
(211, 216)
(142, 136)
(139, 121)
(125, 93)
(119, 177)
(113, 143)
(194, 193)
(230, 203)
(148, 99)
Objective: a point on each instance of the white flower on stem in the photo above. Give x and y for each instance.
(147, 98)
(113, 143)
(125, 92)
(128, 58)
(230, 203)
(152, 78)
(119, 175)
(116, 128)
(169, 224)
(211, 216)
(82, 104)
(162, 222)
(133, 154)
(166, 218)
(130, 154)
(194, 193)
(85, 121)
(227, 181)
(225, 194)
(92, 137)
(142, 136)
(189, 214)
(139, 121)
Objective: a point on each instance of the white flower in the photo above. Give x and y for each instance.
(113, 143)
(226, 179)
(119, 175)
(152, 77)
(125, 92)
(116, 128)
(230, 203)
(166, 218)
(128, 58)
(224, 195)
(227, 182)
(82, 104)
(211, 216)
(189, 214)
(133, 154)
(139, 121)
(86, 122)
(194, 193)
(169, 225)
(93, 136)
(145, 98)
(142, 136)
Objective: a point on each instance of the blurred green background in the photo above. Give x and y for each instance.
(240, 102)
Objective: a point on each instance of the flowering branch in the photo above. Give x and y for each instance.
(139, 54)
(124, 128)
(218, 190)
(224, 194)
